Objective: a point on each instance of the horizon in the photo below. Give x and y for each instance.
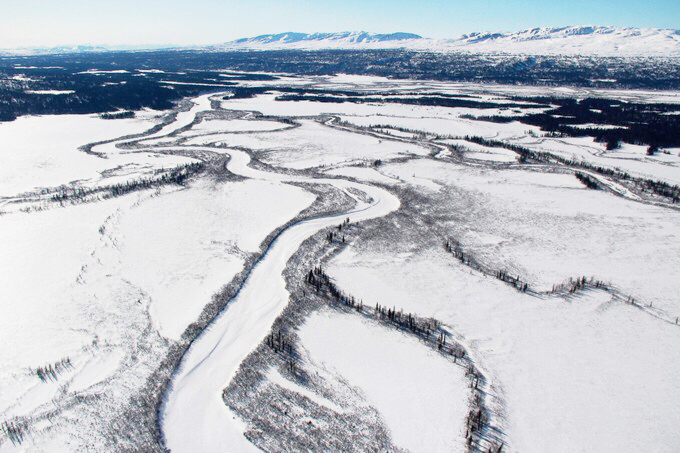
(160, 46)
(36, 23)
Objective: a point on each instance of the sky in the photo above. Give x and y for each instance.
(31, 23)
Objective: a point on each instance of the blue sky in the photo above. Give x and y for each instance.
(50, 22)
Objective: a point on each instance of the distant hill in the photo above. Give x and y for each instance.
(578, 40)
(57, 50)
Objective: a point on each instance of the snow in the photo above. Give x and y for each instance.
(18, 66)
(396, 133)
(171, 82)
(102, 71)
(238, 125)
(95, 371)
(275, 377)
(181, 248)
(263, 103)
(43, 323)
(110, 283)
(363, 174)
(52, 92)
(313, 144)
(481, 152)
(42, 151)
(596, 126)
(184, 118)
(575, 41)
(397, 374)
(194, 415)
(584, 148)
(447, 126)
(105, 268)
(574, 374)
(23, 78)
(582, 231)
(492, 157)
(355, 79)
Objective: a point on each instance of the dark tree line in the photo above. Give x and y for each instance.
(456, 249)
(117, 115)
(426, 328)
(588, 180)
(517, 282)
(434, 101)
(177, 175)
(580, 283)
(642, 124)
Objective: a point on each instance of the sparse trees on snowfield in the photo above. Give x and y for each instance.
(660, 188)
(177, 175)
(428, 330)
(15, 430)
(51, 371)
(455, 248)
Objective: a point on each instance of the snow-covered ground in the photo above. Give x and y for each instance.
(363, 174)
(91, 282)
(447, 121)
(448, 126)
(42, 151)
(629, 158)
(194, 404)
(109, 268)
(313, 144)
(549, 227)
(265, 105)
(481, 152)
(181, 248)
(574, 373)
(397, 374)
(50, 311)
(96, 295)
(237, 126)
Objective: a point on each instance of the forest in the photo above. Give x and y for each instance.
(654, 125)
(133, 80)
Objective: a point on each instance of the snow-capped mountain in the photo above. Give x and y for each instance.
(581, 40)
(344, 37)
(574, 40)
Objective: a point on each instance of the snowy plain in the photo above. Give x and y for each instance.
(109, 287)
(397, 376)
(42, 151)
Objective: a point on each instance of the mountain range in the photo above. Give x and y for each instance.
(586, 40)
(575, 40)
